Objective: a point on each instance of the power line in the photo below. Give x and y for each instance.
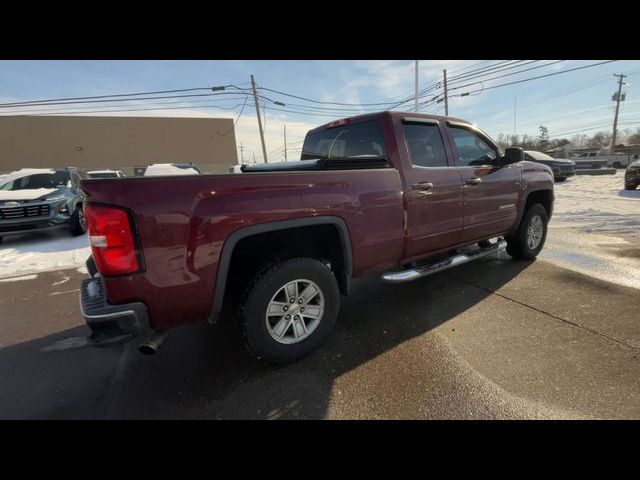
(123, 110)
(489, 71)
(547, 75)
(508, 74)
(302, 113)
(322, 102)
(495, 65)
(237, 119)
(123, 99)
(543, 100)
(160, 105)
(106, 96)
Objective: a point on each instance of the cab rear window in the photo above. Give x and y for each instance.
(363, 139)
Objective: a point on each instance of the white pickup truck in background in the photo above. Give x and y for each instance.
(602, 159)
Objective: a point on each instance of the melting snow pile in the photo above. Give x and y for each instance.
(42, 252)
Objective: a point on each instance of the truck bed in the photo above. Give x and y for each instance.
(183, 222)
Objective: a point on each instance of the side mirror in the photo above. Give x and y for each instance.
(511, 155)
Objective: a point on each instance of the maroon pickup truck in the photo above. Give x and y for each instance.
(399, 194)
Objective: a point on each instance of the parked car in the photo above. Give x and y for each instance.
(162, 169)
(632, 176)
(402, 195)
(562, 169)
(41, 199)
(105, 174)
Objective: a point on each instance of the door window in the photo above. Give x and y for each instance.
(472, 149)
(425, 145)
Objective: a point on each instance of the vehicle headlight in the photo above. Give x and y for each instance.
(63, 208)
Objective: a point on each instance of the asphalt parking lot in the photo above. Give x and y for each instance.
(495, 338)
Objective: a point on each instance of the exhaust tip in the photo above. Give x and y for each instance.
(147, 349)
(152, 344)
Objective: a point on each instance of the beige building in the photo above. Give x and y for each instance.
(115, 142)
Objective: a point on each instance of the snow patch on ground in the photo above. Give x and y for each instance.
(17, 279)
(598, 204)
(595, 229)
(42, 252)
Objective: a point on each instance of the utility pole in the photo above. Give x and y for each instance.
(242, 152)
(255, 99)
(416, 97)
(515, 110)
(446, 99)
(285, 143)
(254, 157)
(617, 98)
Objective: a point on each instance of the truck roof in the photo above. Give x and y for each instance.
(386, 113)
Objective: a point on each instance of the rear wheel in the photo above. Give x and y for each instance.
(560, 179)
(629, 186)
(529, 239)
(289, 309)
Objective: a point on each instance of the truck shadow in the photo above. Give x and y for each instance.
(629, 193)
(205, 372)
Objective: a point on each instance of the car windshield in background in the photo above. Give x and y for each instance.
(103, 175)
(363, 139)
(39, 180)
(531, 155)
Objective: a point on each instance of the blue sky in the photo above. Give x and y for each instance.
(567, 104)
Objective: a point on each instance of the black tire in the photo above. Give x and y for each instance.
(261, 290)
(517, 245)
(77, 224)
(628, 186)
(560, 179)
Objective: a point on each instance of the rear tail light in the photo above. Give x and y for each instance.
(112, 243)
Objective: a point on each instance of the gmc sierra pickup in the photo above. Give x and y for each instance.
(399, 194)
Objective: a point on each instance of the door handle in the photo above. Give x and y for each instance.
(473, 181)
(424, 188)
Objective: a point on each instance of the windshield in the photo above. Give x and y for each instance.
(36, 181)
(103, 175)
(537, 155)
(362, 139)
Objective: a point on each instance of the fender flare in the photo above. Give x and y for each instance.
(232, 240)
(526, 198)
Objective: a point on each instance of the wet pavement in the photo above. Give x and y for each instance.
(496, 338)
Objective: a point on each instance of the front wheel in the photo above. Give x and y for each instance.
(289, 309)
(529, 239)
(77, 222)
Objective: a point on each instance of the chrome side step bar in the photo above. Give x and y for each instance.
(453, 261)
